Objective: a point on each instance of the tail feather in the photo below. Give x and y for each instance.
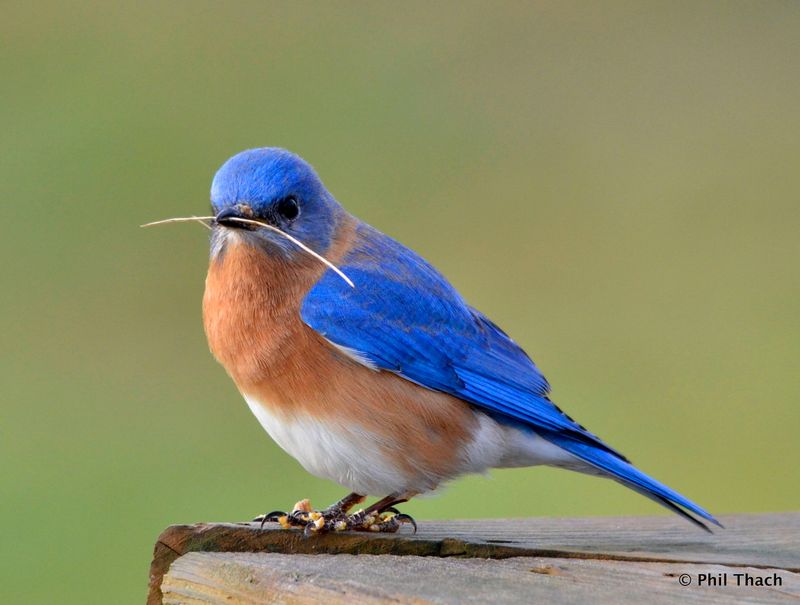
(631, 477)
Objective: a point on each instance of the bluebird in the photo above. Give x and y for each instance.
(363, 363)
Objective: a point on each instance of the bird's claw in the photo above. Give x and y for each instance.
(403, 518)
(273, 517)
(297, 518)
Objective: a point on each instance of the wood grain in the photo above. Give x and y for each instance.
(262, 578)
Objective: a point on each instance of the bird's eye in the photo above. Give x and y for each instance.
(288, 208)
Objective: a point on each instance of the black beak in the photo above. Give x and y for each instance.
(226, 215)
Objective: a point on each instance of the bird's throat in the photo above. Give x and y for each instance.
(250, 307)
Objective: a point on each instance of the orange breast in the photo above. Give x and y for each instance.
(251, 312)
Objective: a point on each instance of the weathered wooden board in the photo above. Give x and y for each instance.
(263, 578)
(608, 546)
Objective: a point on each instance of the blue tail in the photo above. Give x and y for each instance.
(631, 477)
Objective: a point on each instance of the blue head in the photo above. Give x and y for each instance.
(277, 187)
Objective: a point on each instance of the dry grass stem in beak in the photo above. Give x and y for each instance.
(202, 220)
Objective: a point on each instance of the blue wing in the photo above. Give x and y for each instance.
(404, 317)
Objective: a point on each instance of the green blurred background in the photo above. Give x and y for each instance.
(615, 184)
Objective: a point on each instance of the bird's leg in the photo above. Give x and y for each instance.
(302, 515)
(343, 506)
(378, 507)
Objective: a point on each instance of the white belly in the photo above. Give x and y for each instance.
(347, 455)
(363, 462)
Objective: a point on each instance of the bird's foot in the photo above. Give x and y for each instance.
(336, 519)
(386, 521)
(303, 513)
